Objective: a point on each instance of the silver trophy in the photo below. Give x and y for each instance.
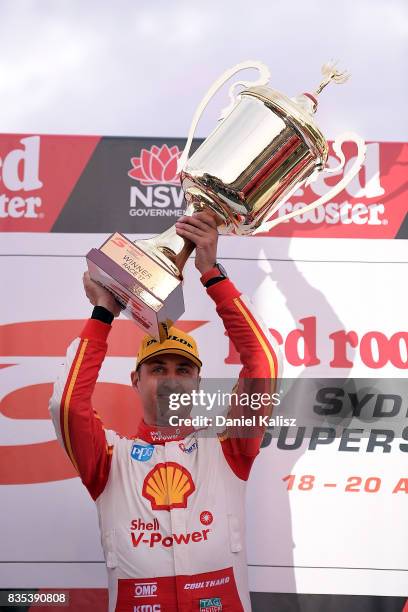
(265, 146)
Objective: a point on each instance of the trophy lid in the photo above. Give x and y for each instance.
(299, 111)
(296, 111)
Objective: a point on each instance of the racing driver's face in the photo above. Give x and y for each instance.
(158, 378)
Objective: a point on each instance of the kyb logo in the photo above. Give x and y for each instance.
(365, 185)
(19, 175)
(159, 193)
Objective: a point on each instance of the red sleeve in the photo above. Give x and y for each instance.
(77, 425)
(260, 369)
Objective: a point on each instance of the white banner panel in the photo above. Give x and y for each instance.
(337, 312)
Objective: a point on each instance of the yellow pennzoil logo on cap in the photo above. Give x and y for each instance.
(168, 485)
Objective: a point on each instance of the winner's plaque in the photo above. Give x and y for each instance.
(150, 293)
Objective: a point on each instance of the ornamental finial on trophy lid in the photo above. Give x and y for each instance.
(330, 73)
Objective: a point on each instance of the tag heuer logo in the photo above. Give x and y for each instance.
(211, 605)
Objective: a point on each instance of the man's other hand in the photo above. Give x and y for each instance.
(201, 229)
(99, 296)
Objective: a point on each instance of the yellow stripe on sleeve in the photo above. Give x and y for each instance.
(67, 402)
(258, 335)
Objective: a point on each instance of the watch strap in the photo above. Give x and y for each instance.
(102, 314)
(215, 280)
(214, 274)
(211, 273)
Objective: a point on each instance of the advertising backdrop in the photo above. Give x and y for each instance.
(329, 285)
(92, 184)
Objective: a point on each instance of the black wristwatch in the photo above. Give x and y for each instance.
(215, 275)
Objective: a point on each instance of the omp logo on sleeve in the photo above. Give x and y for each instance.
(168, 485)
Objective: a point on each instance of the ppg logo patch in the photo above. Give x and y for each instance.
(211, 605)
(142, 452)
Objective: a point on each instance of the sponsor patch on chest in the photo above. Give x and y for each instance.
(142, 452)
(189, 447)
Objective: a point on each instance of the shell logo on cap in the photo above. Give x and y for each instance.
(167, 486)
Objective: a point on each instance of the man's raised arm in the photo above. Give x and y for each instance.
(257, 349)
(77, 426)
(261, 367)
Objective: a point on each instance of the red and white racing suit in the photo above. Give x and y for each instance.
(171, 507)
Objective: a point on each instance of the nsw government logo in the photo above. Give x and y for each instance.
(142, 452)
(211, 605)
(159, 193)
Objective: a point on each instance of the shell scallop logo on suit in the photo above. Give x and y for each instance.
(167, 486)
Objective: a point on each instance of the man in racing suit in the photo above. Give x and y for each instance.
(170, 503)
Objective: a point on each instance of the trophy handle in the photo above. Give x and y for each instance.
(337, 147)
(264, 76)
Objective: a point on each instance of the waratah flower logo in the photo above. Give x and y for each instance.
(159, 165)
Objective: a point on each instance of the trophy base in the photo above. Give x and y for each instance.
(149, 293)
